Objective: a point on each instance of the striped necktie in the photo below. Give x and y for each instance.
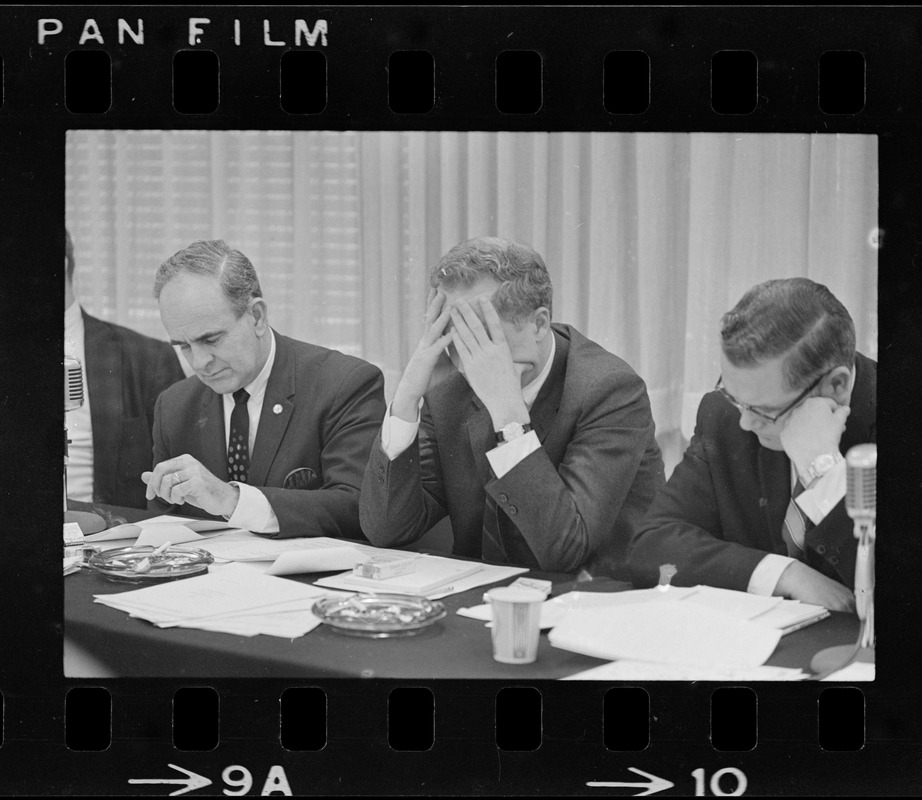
(796, 525)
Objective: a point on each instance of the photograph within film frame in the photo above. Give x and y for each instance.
(493, 107)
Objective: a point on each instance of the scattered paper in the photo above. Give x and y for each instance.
(430, 574)
(325, 559)
(164, 528)
(72, 564)
(234, 599)
(551, 613)
(643, 671)
(854, 672)
(484, 574)
(666, 633)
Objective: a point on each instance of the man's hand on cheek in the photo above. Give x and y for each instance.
(813, 428)
(487, 362)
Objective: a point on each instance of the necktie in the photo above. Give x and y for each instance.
(238, 445)
(796, 525)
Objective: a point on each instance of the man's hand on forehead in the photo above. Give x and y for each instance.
(488, 367)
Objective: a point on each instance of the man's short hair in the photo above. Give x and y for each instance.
(214, 257)
(793, 316)
(69, 255)
(524, 281)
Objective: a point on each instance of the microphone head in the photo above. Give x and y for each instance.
(73, 383)
(861, 481)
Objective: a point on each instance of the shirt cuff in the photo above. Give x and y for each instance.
(253, 512)
(817, 501)
(398, 434)
(504, 457)
(765, 576)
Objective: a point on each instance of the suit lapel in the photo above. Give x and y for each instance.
(103, 354)
(775, 487)
(278, 407)
(547, 403)
(213, 442)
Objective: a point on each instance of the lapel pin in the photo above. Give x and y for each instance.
(277, 408)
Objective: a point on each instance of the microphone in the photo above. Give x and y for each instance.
(88, 521)
(861, 506)
(861, 482)
(73, 383)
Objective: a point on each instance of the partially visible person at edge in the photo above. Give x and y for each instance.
(123, 373)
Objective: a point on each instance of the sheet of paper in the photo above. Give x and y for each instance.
(739, 604)
(666, 633)
(323, 559)
(251, 547)
(487, 574)
(644, 671)
(235, 588)
(551, 613)
(580, 600)
(856, 671)
(429, 574)
(791, 615)
(175, 533)
(133, 530)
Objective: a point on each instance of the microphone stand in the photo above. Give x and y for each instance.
(832, 659)
(87, 520)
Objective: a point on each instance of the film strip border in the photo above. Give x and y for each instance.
(412, 88)
(462, 737)
(597, 69)
(587, 67)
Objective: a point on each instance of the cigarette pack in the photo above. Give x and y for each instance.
(383, 567)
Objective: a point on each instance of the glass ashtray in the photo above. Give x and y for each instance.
(379, 615)
(140, 565)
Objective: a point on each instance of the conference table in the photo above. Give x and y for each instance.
(455, 647)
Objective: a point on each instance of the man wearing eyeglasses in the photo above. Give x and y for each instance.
(757, 503)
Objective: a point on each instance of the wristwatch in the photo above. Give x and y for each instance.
(512, 430)
(820, 466)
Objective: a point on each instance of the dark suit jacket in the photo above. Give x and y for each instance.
(723, 508)
(572, 504)
(308, 460)
(125, 371)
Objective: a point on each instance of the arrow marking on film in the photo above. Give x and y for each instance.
(652, 785)
(190, 783)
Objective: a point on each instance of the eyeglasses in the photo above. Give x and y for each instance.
(761, 414)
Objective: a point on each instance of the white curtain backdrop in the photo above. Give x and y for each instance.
(648, 237)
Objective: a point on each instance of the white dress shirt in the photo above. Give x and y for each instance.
(253, 511)
(79, 422)
(397, 434)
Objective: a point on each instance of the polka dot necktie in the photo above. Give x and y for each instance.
(238, 446)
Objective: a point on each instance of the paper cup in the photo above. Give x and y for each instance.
(516, 623)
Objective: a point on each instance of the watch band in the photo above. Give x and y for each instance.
(512, 431)
(820, 465)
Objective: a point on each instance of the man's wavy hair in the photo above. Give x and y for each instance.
(213, 257)
(792, 316)
(525, 285)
